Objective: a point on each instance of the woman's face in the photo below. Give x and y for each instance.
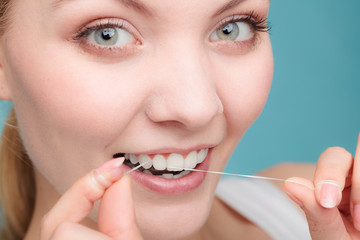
(90, 79)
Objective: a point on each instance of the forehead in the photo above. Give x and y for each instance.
(149, 8)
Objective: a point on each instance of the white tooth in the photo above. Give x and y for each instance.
(127, 156)
(182, 174)
(159, 162)
(145, 158)
(178, 176)
(202, 155)
(191, 160)
(147, 172)
(168, 175)
(175, 162)
(133, 159)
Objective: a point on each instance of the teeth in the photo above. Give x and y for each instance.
(191, 160)
(159, 162)
(172, 176)
(202, 155)
(174, 162)
(145, 159)
(133, 159)
(168, 175)
(182, 174)
(148, 172)
(177, 176)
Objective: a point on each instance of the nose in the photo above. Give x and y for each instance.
(185, 92)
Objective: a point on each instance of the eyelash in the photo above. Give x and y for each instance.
(257, 23)
(110, 23)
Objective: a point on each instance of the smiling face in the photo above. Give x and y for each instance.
(171, 81)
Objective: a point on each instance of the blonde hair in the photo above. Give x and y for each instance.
(17, 184)
(4, 14)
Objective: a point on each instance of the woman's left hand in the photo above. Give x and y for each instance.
(331, 201)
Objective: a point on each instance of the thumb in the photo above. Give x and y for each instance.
(323, 223)
(116, 216)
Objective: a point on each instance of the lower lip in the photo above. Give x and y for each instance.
(172, 186)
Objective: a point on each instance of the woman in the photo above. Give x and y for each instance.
(164, 83)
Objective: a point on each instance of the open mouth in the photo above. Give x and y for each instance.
(166, 165)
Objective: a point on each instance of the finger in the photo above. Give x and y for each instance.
(332, 170)
(116, 213)
(355, 190)
(77, 202)
(323, 223)
(74, 231)
(344, 206)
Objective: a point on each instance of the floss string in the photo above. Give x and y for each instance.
(241, 175)
(219, 173)
(137, 167)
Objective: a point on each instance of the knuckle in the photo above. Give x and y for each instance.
(339, 150)
(338, 155)
(92, 189)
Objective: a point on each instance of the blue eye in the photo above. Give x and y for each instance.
(111, 36)
(233, 31)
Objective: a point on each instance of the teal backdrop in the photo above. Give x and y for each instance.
(314, 102)
(315, 96)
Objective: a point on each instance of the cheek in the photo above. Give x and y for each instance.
(244, 86)
(68, 109)
(65, 97)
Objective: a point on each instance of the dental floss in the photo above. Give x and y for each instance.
(220, 173)
(137, 167)
(241, 175)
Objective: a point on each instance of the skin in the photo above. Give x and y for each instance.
(72, 101)
(77, 106)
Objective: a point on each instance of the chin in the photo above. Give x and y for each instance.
(170, 202)
(171, 207)
(172, 217)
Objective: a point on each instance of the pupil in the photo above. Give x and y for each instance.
(228, 29)
(108, 34)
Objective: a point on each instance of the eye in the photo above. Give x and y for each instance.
(108, 37)
(111, 37)
(233, 31)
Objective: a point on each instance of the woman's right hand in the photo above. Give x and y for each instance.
(116, 217)
(331, 201)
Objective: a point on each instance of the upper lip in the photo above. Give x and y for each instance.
(167, 150)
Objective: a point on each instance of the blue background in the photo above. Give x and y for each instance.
(315, 96)
(314, 102)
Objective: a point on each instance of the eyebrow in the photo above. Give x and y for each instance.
(134, 4)
(141, 7)
(231, 5)
(227, 6)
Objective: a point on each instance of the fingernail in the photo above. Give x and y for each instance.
(356, 215)
(109, 172)
(297, 201)
(329, 194)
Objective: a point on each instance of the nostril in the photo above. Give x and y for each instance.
(192, 109)
(117, 155)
